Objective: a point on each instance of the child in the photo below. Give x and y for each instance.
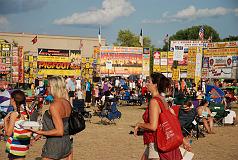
(19, 138)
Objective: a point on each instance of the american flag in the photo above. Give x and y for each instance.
(201, 33)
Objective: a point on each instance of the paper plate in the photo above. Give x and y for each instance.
(31, 125)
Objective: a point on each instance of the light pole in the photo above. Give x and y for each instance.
(167, 57)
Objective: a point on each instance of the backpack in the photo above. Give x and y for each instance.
(168, 135)
(76, 122)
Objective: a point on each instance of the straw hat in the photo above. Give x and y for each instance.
(199, 97)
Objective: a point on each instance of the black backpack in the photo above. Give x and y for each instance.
(76, 122)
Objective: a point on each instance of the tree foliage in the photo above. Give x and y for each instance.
(192, 33)
(230, 38)
(129, 39)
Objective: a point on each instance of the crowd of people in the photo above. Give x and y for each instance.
(181, 98)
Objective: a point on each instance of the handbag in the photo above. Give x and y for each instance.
(168, 135)
(76, 122)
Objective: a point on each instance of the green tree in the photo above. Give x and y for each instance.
(192, 33)
(129, 39)
(230, 38)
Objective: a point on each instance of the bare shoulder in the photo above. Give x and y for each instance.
(199, 108)
(61, 105)
(13, 114)
(153, 102)
(55, 104)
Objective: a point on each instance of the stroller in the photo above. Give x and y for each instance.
(79, 106)
(109, 110)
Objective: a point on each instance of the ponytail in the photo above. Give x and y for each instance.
(19, 98)
(27, 114)
(18, 109)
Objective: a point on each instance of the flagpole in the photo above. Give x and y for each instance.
(167, 58)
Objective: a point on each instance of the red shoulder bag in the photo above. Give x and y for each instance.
(169, 135)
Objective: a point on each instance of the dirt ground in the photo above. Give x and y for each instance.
(113, 142)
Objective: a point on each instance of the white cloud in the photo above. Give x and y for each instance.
(192, 13)
(236, 11)
(3, 23)
(110, 10)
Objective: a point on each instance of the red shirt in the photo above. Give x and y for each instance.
(176, 109)
(148, 136)
(143, 90)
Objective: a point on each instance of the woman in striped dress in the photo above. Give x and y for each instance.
(19, 138)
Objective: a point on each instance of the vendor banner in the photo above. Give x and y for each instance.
(163, 62)
(156, 58)
(235, 61)
(176, 74)
(108, 64)
(59, 72)
(184, 61)
(222, 44)
(20, 65)
(205, 73)
(53, 52)
(164, 55)
(205, 63)
(75, 57)
(178, 53)
(170, 55)
(225, 73)
(198, 69)
(164, 68)
(121, 70)
(220, 62)
(234, 73)
(156, 68)
(57, 65)
(191, 66)
(53, 59)
(146, 62)
(125, 60)
(221, 52)
(186, 44)
(5, 46)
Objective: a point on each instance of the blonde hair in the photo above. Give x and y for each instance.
(58, 87)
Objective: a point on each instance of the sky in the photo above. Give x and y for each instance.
(83, 17)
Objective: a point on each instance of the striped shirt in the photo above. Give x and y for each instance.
(18, 143)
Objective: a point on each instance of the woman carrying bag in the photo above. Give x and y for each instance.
(157, 85)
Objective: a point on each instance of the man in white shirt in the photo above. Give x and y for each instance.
(231, 117)
(78, 83)
(117, 82)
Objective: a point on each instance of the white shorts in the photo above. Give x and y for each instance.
(151, 151)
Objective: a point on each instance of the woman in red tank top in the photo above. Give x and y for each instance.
(157, 84)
